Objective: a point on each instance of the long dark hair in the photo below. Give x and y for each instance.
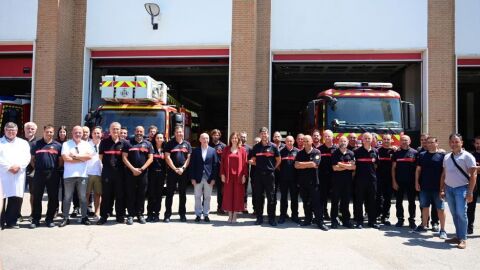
(154, 141)
(58, 134)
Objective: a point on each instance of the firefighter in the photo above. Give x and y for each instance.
(299, 141)
(352, 141)
(113, 181)
(316, 137)
(266, 158)
(384, 177)
(365, 182)
(288, 181)
(306, 163)
(218, 145)
(177, 158)
(343, 165)
(325, 169)
(137, 156)
(403, 180)
(156, 179)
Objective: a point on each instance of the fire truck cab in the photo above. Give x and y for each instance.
(358, 107)
(139, 101)
(14, 109)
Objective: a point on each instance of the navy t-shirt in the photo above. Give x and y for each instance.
(287, 167)
(384, 169)
(477, 157)
(46, 154)
(308, 176)
(178, 152)
(138, 152)
(158, 160)
(406, 164)
(432, 167)
(265, 157)
(218, 148)
(112, 154)
(346, 158)
(365, 164)
(325, 167)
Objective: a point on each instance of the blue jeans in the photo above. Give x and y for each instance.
(457, 202)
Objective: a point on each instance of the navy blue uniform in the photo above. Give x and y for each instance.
(472, 205)
(156, 181)
(265, 156)
(406, 161)
(325, 171)
(46, 175)
(342, 184)
(138, 153)
(218, 183)
(288, 182)
(113, 178)
(384, 185)
(365, 184)
(179, 153)
(310, 186)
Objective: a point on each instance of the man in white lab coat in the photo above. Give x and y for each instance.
(14, 158)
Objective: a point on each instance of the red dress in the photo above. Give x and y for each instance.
(233, 166)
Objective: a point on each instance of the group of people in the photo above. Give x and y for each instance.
(116, 172)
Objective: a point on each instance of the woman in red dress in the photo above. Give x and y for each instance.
(233, 171)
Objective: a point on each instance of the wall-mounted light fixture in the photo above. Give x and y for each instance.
(154, 10)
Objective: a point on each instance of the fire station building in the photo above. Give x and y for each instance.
(243, 64)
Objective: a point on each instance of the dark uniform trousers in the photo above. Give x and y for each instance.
(365, 191)
(311, 197)
(341, 191)
(384, 195)
(11, 211)
(50, 180)
(409, 189)
(325, 189)
(136, 192)
(470, 208)
(264, 183)
(173, 180)
(113, 190)
(288, 185)
(156, 181)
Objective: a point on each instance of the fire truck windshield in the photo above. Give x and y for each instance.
(132, 119)
(378, 112)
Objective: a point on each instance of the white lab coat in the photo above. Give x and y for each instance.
(12, 153)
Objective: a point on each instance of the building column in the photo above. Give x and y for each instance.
(441, 70)
(59, 62)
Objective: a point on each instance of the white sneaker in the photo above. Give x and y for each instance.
(442, 234)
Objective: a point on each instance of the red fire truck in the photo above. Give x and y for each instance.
(358, 107)
(14, 109)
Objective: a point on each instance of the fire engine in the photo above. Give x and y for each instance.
(139, 101)
(358, 107)
(14, 109)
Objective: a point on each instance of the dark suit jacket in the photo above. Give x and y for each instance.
(198, 166)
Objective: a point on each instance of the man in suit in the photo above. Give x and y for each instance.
(204, 168)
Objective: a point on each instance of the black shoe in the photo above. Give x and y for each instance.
(149, 219)
(206, 219)
(359, 226)
(183, 219)
(281, 220)
(156, 219)
(130, 221)
(306, 223)
(86, 221)
(34, 224)
(197, 219)
(295, 219)
(373, 225)
(412, 225)
(469, 230)
(399, 224)
(259, 221)
(13, 226)
(220, 211)
(50, 224)
(420, 229)
(347, 224)
(74, 213)
(101, 221)
(386, 222)
(120, 220)
(64, 222)
(166, 219)
(326, 216)
(141, 219)
(245, 212)
(322, 226)
(334, 225)
(272, 222)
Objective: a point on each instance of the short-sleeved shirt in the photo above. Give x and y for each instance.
(138, 152)
(265, 157)
(432, 168)
(31, 143)
(178, 151)
(75, 169)
(218, 148)
(308, 176)
(365, 164)
(345, 158)
(384, 168)
(280, 147)
(94, 165)
(287, 167)
(46, 154)
(325, 167)
(453, 177)
(158, 163)
(112, 155)
(247, 148)
(351, 148)
(406, 160)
